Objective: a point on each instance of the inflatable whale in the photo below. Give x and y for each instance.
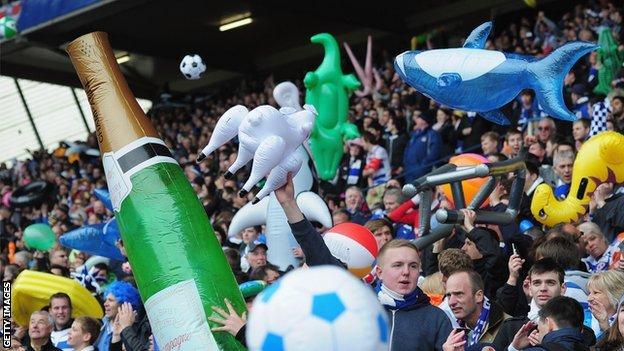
(474, 79)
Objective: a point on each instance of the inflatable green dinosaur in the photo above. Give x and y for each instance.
(610, 59)
(327, 89)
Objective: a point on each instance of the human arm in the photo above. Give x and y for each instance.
(403, 215)
(599, 311)
(521, 339)
(132, 336)
(469, 219)
(310, 241)
(515, 265)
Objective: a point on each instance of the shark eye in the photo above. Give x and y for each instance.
(542, 214)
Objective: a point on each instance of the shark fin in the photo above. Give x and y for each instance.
(546, 77)
(449, 80)
(495, 116)
(478, 37)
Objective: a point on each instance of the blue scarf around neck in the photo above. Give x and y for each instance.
(481, 322)
(394, 300)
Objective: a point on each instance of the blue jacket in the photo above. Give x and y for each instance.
(423, 149)
(568, 338)
(420, 327)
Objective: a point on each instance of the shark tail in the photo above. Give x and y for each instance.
(547, 75)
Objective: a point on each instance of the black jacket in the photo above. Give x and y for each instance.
(312, 244)
(136, 336)
(511, 326)
(512, 299)
(610, 217)
(492, 267)
(395, 146)
(47, 347)
(507, 331)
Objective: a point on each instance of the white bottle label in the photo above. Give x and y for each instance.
(177, 318)
(119, 186)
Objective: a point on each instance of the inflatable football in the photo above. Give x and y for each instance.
(320, 308)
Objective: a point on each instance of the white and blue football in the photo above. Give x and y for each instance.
(320, 308)
(192, 66)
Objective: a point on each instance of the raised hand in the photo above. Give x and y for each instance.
(515, 265)
(521, 339)
(231, 321)
(455, 341)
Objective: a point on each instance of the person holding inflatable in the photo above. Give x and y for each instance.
(398, 270)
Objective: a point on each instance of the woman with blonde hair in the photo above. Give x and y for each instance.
(614, 337)
(605, 290)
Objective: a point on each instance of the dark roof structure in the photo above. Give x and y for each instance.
(156, 34)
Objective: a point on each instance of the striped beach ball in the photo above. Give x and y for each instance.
(354, 245)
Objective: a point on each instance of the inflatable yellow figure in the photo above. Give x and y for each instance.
(31, 291)
(600, 160)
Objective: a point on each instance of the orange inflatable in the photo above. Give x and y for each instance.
(470, 186)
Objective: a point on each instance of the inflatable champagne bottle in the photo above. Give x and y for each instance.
(177, 261)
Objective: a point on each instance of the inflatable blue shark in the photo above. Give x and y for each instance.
(95, 239)
(473, 79)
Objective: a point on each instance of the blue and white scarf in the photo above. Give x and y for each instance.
(481, 323)
(394, 300)
(602, 264)
(354, 172)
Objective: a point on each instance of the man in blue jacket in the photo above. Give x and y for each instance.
(423, 149)
(558, 328)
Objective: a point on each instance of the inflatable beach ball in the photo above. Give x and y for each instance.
(354, 245)
(8, 27)
(192, 66)
(470, 186)
(320, 308)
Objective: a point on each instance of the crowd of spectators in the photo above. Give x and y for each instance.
(496, 284)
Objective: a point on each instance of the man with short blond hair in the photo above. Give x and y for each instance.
(398, 269)
(489, 143)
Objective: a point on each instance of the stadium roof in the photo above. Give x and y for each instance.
(158, 33)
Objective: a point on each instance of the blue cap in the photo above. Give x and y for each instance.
(526, 225)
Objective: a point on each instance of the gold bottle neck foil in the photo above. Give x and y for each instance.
(118, 117)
